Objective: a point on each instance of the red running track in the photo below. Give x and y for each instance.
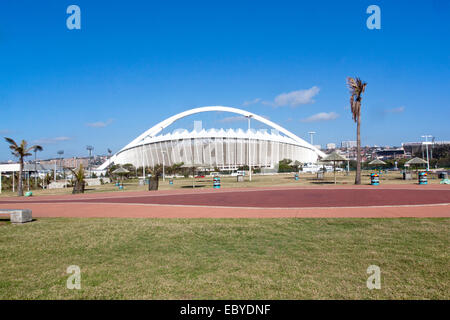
(285, 198)
(277, 202)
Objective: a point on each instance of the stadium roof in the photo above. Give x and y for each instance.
(151, 135)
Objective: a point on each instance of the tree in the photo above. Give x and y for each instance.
(357, 88)
(156, 171)
(78, 180)
(175, 168)
(21, 151)
(296, 165)
(130, 168)
(285, 165)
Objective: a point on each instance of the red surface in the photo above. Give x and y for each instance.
(287, 198)
(329, 201)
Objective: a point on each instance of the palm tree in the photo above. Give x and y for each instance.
(21, 151)
(357, 87)
(156, 171)
(78, 180)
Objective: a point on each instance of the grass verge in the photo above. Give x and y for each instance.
(225, 258)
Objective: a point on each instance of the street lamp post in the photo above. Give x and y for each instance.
(89, 149)
(249, 154)
(143, 163)
(163, 173)
(35, 166)
(193, 168)
(312, 133)
(60, 153)
(426, 143)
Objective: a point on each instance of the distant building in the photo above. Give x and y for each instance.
(66, 162)
(391, 153)
(331, 146)
(348, 144)
(415, 147)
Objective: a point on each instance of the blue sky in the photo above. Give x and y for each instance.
(135, 63)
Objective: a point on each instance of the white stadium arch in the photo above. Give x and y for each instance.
(148, 150)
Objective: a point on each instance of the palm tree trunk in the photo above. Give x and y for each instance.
(20, 186)
(78, 187)
(153, 183)
(358, 151)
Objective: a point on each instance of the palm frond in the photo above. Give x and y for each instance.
(78, 174)
(35, 148)
(357, 88)
(11, 142)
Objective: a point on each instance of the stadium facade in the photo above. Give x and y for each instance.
(225, 149)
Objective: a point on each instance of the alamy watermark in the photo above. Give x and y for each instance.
(74, 280)
(74, 20)
(374, 281)
(374, 20)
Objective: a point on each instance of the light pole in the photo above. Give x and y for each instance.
(312, 133)
(164, 176)
(193, 168)
(60, 153)
(35, 166)
(432, 145)
(426, 143)
(249, 154)
(143, 163)
(89, 149)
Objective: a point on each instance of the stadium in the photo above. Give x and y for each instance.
(215, 148)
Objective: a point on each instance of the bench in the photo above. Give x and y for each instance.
(17, 215)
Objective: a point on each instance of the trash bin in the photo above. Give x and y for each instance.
(423, 178)
(320, 175)
(216, 183)
(240, 178)
(374, 179)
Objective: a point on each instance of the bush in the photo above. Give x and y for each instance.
(285, 166)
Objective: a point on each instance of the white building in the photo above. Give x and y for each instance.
(348, 144)
(331, 146)
(223, 148)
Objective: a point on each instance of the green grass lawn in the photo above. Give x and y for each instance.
(258, 180)
(225, 258)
